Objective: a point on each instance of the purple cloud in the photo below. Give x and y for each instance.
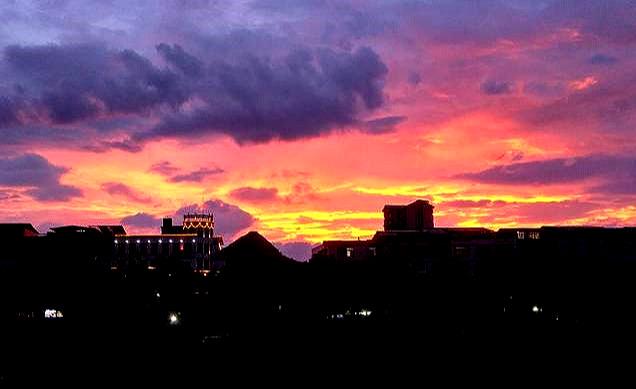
(255, 195)
(382, 125)
(229, 220)
(197, 175)
(617, 173)
(119, 189)
(141, 220)
(300, 251)
(68, 83)
(492, 87)
(41, 178)
(165, 168)
(602, 59)
(256, 100)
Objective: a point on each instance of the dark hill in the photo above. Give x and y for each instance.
(252, 249)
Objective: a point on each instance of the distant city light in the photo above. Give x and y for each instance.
(116, 241)
(194, 240)
(365, 312)
(127, 241)
(138, 241)
(174, 319)
(170, 240)
(180, 240)
(148, 240)
(159, 241)
(536, 309)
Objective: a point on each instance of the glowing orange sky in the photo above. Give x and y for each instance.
(477, 116)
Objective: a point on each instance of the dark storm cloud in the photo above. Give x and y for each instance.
(255, 195)
(558, 171)
(8, 112)
(263, 81)
(141, 220)
(197, 175)
(74, 82)
(34, 172)
(492, 87)
(250, 98)
(188, 64)
(255, 100)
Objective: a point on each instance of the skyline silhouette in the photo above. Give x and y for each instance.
(190, 187)
(298, 120)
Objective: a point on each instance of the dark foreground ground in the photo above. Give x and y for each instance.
(58, 353)
(263, 324)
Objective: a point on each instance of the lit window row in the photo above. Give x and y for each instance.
(138, 241)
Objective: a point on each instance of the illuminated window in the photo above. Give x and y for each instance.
(53, 314)
(349, 252)
(534, 235)
(521, 235)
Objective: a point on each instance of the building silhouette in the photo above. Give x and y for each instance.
(193, 241)
(416, 216)
(410, 236)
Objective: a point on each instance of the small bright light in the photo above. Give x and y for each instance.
(180, 240)
(148, 240)
(365, 312)
(170, 241)
(138, 240)
(194, 240)
(159, 240)
(116, 241)
(127, 241)
(157, 294)
(174, 319)
(535, 309)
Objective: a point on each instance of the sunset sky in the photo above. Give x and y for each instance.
(301, 119)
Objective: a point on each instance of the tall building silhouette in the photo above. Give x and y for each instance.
(416, 216)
